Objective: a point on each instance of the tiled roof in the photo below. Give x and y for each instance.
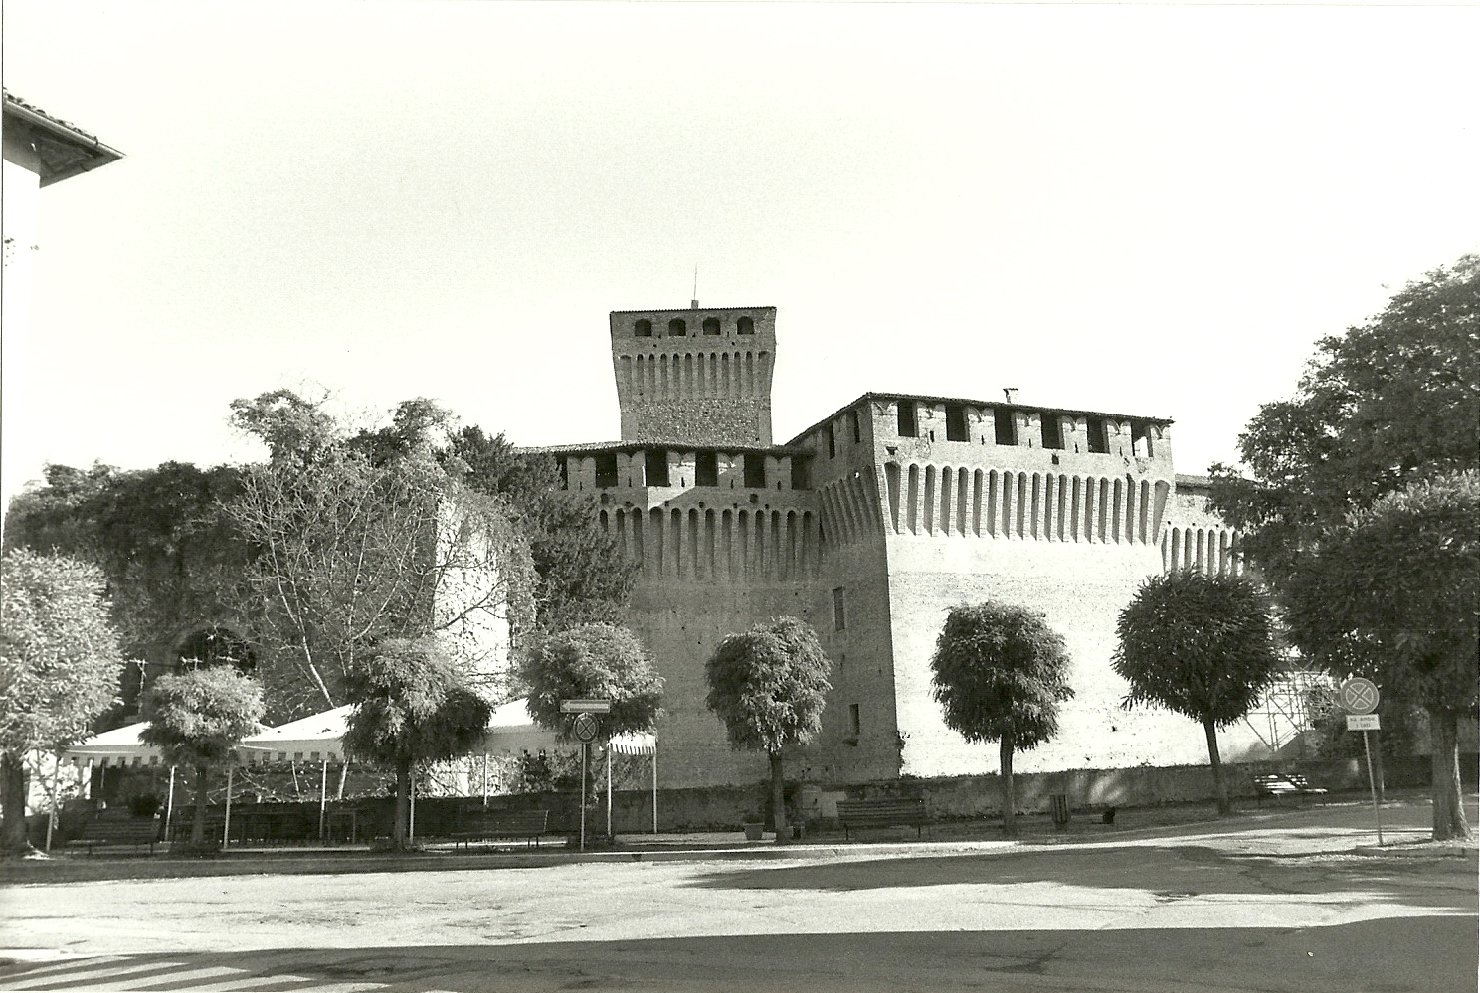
(687, 310)
(678, 444)
(13, 100)
(62, 148)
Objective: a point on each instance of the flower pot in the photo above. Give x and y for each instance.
(753, 830)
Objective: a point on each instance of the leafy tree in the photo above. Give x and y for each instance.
(59, 667)
(597, 662)
(1000, 673)
(1202, 646)
(413, 705)
(768, 686)
(197, 719)
(1398, 585)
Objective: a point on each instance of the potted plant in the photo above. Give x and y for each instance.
(753, 825)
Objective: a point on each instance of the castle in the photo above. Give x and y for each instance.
(870, 525)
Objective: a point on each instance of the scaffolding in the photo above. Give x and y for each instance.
(1294, 703)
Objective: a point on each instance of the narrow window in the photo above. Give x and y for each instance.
(1051, 430)
(801, 479)
(956, 429)
(1099, 441)
(657, 466)
(857, 429)
(1141, 439)
(832, 443)
(711, 325)
(606, 469)
(840, 621)
(755, 471)
(745, 326)
(1006, 426)
(706, 469)
(564, 471)
(677, 328)
(643, 328)
(908, 426)
(854, 725)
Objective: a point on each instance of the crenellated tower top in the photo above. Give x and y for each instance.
(701, 375)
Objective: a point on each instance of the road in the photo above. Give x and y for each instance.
(1292, 903)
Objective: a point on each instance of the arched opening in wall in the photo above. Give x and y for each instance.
(1099, 441)
(655, 463)
(1141, 439)
(562, 468)
(853, 424)
(745, 326)
(677, 327)
(711, 325)
(956, 429)
(1004, 426)
(1050, 430)
(832, 441)
(706, 468)
(211, 646)
(801, 477)
(891, 485)
(755, 471)
(643, 329)
(606, 469)
(907, 423)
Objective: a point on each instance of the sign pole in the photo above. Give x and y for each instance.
(1371, 781)
(584, 748)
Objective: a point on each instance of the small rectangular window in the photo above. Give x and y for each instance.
(564, 471)
(956, 429)
(801, 478)
(1005, 422)
(706, 469)
(755, 471)
(908, 425)
(606, 469)
(840, 620)
(1050, 429)
(855, 725)
(832, 443)
(657, 467)
(857, 430)
(1099, 441)
(1141, 439)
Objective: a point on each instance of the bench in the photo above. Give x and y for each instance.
(492, 825)
(883, 812)
(112, 832)
(1281, 784)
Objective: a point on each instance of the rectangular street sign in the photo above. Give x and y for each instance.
(1363, 722)
(585, 706)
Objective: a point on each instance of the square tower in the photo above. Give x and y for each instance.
(701, 375)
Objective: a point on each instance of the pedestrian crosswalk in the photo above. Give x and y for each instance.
(143, 973)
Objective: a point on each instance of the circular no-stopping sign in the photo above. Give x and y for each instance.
(586, 728)
(1358, 696)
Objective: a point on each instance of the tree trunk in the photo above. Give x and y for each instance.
(198, 828)
(1220, 788)
(14, 839)
(1449, 811)
(1009, 791)
(403, 803)
(778, 798)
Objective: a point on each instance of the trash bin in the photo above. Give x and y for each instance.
(1059, 808)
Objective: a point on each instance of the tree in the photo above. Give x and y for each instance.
(1000, 673)
(1202, 646)
(1398, 586)
(768, 686)
(197, 719)
(59, 668)
(413, 705)
(596, 662)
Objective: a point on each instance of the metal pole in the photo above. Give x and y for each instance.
(226, 829)
(584, 746)
(608, 790)
(1371, 781)
(411, 834)
(323, 795)
(485, 779)
(169, 806)
(655, 786)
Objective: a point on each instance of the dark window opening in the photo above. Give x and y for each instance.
(711, 325)
(801, 478)
(657, 466)
(643, 328)
(832, 443)
(564, 471)
(706, 469)
(840, 619)
(677, 328)
(606, 469)
(854, 724)
(956, 429)
(1051, 430)
(908, 426)
(745, 326)
(1141, 439)
(1099, 441)
(1006, 425)
(854, 424)
(755, 471)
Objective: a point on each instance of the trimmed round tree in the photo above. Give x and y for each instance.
(197, 718)
(59, 667)
(412, 705)
(1201, 646)
(769, 686)
(1000, 672)
(593, 662)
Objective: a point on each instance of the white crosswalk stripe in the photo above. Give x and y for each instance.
(92, 976)
(105, 975)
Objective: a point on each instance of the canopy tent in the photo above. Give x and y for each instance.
(511, 730)
(121, 746)
(316, 738)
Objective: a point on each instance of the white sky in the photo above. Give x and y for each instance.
(1155, 209)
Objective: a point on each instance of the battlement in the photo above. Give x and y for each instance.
(703, 374)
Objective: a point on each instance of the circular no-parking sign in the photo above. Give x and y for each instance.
(1358, 695)
(586, 728)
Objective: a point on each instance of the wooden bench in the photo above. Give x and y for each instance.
(113, 832)
(1282, 784)
(527, 825)
(883, 812)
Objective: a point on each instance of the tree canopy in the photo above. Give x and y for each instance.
(1000, 673)
(1201, 646)
(59, 666)
(598, 662)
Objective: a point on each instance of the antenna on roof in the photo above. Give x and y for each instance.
(694, 301)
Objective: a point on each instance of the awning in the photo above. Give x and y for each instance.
(635, 743)
(121, 746)
(316, 738)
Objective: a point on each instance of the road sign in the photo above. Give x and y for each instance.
(585, 706)
(586, 728)
(1358, 696)
(1363, 722)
